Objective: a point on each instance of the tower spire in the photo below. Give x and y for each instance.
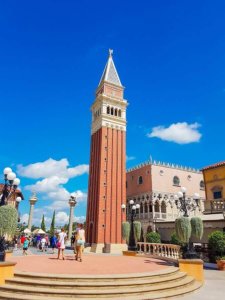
(110, 74)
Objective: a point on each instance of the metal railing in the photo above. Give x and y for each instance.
(168, 251)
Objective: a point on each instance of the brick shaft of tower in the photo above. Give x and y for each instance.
(107, 177)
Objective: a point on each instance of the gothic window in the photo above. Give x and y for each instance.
(116, 112)
(119, 113)
(176, 181)
(146, 207)
(108, 110)
(202, 185)
(112, 111)
(140, 180)
(163, 207)
(157, 207)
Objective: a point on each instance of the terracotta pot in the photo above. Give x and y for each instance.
(221, 264)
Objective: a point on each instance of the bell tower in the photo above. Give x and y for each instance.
(107, 176)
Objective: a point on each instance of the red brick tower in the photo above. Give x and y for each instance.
(107, 177)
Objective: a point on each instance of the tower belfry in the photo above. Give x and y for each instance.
(107, 176)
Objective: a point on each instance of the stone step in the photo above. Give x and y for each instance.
(97, 278)
(141, 296)
(100, 292)
(20, 281)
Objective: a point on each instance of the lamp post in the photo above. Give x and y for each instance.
(132, 208)
(9, 188)
(186, 205)
(72, 204)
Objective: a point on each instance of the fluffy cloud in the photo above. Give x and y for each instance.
(61, 218)
(50, 167)
(24, 218)
(180, 133)
(128, 158)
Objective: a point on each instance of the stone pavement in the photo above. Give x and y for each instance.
(213, 289)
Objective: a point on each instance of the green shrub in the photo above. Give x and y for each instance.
(175, 240)
(137, 230)
(153, 237)
(197, 227)
(8, 220)
(126, 231)
(183, 229)
(217, 243)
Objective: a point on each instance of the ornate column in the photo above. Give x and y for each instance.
(160, 211)
(33, 199)
(72, 204)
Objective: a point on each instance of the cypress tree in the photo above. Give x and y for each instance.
(52, 228)
(43, 224)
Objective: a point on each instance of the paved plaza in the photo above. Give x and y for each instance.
(102, 264)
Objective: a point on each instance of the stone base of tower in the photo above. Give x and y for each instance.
(109, 248)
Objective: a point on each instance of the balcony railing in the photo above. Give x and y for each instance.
(159, 250)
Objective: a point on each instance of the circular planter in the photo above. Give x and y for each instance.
(221, 264)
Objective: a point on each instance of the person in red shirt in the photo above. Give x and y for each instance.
(22, 240)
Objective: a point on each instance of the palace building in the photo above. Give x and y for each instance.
(107, 177)
(154, 185)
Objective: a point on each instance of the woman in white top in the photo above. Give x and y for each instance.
(80, 241)
(61, 243)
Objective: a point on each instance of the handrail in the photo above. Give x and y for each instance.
(170, 251)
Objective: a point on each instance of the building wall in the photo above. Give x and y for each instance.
(162, 180)
(133, 187)
(214, 177)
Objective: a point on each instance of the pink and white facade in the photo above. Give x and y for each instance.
(154, 184)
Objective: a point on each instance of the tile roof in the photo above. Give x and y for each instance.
(219, 164)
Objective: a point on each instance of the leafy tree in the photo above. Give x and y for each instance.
(126, 231)
(137, 230)
(33, 227)
(197, 227)
(52, 227)
(175, 240)
(43, 227)
(153, 237)
(183, 229)
(216, 244)
(8, 220)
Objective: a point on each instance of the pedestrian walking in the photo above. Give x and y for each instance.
(80, 241)
(53, 243)
(61, 243)
(25, 246)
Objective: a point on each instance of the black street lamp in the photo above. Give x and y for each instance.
(131, 213)
(10, 186)
(186, 205)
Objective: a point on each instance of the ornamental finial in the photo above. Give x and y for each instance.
(110, 52)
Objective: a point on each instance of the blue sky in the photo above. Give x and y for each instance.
(170, 56)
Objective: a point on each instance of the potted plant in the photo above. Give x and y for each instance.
(220, 261)
(8, 225)
(216, 246)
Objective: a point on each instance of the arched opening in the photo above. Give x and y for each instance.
(108, 110)
(176, 181)
(140, 180)
(112, 111)
(202, 185)
(146, 207)
(116, 112)
(119, 113)
(157, 207)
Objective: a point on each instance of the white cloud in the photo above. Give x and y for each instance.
(24, 218)
(80, 219)
(180, 133)
(50, 168)
(128, 158)
(61, 218)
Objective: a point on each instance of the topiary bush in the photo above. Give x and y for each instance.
(216, 243)
(137, 230)
(183, 229)
(126, 231)
(197, 227)
(8, 220)
(153, 237)
(175, 240)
